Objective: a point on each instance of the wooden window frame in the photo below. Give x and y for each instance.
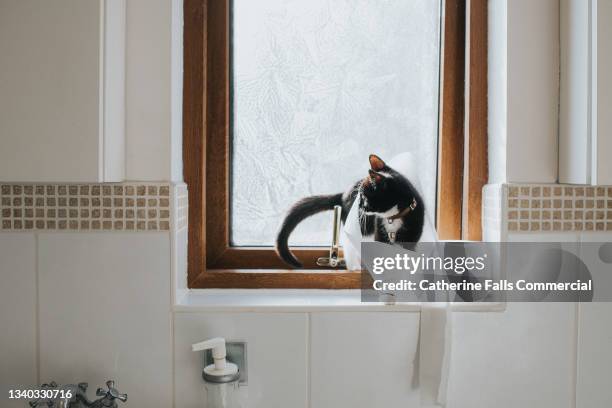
(212, 261)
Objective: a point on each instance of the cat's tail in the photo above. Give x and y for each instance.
(301, 210)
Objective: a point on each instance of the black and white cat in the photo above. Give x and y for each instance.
(390, 209)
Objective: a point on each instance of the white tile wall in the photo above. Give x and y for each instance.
(96, 323)
(594, 356)
(600, 271)
(277, 356)
(105, 312)
(588, 332)
(17, 314)
(594, 336)
(518, 358)
(522, 357)
(364, 360)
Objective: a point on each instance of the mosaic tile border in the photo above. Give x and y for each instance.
(85, 207)
(133, 206)
(558, 208)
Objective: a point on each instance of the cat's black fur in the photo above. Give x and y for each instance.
(378, 193)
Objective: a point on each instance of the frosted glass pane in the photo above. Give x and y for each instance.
(318, 85)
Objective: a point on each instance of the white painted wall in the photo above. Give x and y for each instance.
(99, 90)
(602, 93)
(498, 90)
(523, 90)
(533, 90)
(574, 119)
(586, 92)
(62, 86)
(50, 87)
(148, 90)
(113, 83)
(176, 134)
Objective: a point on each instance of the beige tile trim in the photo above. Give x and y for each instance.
(85, 207)
(558, 208)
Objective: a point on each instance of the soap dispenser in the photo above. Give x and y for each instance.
(220, 378)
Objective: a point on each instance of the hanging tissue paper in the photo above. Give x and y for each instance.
(435, 330)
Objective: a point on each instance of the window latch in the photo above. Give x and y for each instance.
(334, 260)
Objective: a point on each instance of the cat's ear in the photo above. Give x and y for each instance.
(377, 177)
(376, 163)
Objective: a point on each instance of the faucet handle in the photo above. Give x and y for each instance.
(44, 402)
(35, 404)
(112, 393)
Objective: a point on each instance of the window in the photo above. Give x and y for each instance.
(283, 97)
(316, 87)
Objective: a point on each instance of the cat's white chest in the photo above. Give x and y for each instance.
(392, 227)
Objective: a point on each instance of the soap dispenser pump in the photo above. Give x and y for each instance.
(221, 377)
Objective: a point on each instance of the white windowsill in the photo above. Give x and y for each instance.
(296, 300)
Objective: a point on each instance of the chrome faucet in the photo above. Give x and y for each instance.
(78, 396)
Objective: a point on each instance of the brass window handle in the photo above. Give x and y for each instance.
(334, 260)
